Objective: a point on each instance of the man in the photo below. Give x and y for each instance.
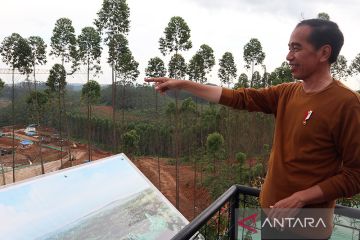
(315, 158)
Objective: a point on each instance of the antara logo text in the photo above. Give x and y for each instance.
(293, 222)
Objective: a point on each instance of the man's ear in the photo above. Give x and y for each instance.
(325, 53)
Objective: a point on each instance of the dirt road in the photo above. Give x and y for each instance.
(149, 167)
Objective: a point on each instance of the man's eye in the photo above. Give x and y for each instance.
(294, 49)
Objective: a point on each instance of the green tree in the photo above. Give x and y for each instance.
(177, 67)
(63, 42)
(355, 65)
(188, 115)
(38, 57)
(38, 99)
(64, 45)
(265, 80)
(2, 85)
(113, 20)
(214, 147)
(199, 67)
(16, 52)
(127, 71)
(339, 69)
(323, 16)
(253, 55)
(201, 64)
(227, 70)
(89, 49)
(155, 68)
(56, 83)
(281, 74)
(243, 81)
(90, 92)
(89, 54)
(256, 80)
(177, 38)
(57, 79)
(131, 142)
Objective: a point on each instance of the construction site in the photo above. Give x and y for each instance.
(29, 150)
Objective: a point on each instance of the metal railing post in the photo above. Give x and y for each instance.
(233, 223)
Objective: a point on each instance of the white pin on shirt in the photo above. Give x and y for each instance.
(307, 116)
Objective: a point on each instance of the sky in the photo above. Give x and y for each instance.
(223, 25)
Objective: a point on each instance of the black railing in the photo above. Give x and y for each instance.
(218, 221)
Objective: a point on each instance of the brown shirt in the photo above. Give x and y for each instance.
(322, 150)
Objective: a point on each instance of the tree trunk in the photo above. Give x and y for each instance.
(177, 148)
(67, 132)
(13, 122)
(113, 108)
(123, 105)
(88, 111)
(60, 128)
(194, 203)
(37, 110)
(3, 174)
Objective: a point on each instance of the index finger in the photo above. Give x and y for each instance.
(153, 80)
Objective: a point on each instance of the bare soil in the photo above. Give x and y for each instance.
(187, 193)
(193, 198)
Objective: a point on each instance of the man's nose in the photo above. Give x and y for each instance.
(290, 56)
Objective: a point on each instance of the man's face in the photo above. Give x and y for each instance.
(303, 57)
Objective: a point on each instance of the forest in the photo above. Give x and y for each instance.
(224, 145)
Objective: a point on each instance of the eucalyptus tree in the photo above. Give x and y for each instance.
(64, 46)
(91, 94)
(56, 83)
(176, 38)
(256, 80)
(227, 73)
(2, 84)
(155, 68)
(227, 70)
(177, 67)
(113, 20)
(323, 15)
(199, 67)
(127, 71)
(339, 69)
(201, 64)
(253, 55)
(243, 81)
(355, 65)
(38, 99)
(265, 80)
(89, 54)
(214, 147)
(118, 47)
(63, 42)
(16, 52)
(38, 57)
(281, 74)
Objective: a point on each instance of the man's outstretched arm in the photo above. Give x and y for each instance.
(207, 92)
